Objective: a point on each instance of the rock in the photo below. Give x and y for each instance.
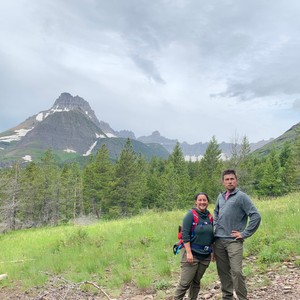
(3, 276)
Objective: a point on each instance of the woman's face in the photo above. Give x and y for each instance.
(201, 202)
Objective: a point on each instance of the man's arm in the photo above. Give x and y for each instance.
(254, 218)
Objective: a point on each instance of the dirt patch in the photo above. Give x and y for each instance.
(281, 282)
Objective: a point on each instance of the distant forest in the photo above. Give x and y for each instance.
(45, 193)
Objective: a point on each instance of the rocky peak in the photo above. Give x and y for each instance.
(66, 102)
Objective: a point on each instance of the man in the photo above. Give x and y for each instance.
(233, 211)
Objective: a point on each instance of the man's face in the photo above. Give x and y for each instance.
(230, 182)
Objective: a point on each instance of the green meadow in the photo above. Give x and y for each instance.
(137, 251)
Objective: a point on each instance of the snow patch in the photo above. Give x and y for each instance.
(70, 151)
(27, 158)
(110, 135)
(54, 110)
(15, 137)
(100, 135)
(90, 150)
(40, 117)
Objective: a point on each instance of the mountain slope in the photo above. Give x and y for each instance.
(287, 137)
(70, 126)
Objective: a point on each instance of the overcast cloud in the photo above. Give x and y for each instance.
(191, 69)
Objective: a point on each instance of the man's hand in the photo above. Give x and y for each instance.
(236, 234)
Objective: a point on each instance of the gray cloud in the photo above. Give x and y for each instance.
(184, 60)
(296, 105)
(148, 67)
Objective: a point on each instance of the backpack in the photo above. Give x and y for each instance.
(180, 244)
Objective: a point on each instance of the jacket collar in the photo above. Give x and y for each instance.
(232, 193)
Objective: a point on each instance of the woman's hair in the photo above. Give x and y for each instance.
(201, 193)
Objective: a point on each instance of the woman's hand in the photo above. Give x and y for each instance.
(189, 257)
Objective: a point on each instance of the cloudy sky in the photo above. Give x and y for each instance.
(191, 69)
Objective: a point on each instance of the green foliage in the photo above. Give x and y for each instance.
(137, 250)
(98, 177)
(47, 193)
(210, 166)
(277, 238)
(127, 190)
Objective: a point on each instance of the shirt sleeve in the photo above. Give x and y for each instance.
(186, 227)
(254, 217)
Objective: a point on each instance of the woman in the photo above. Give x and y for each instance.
(197, 251)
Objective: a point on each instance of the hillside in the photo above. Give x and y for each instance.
(132, 258)
(287, 137)
(71, 129)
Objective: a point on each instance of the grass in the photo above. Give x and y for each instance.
(136, 251)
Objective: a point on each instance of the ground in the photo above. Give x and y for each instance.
(281, 282)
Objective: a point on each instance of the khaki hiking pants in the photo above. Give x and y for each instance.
(190, 277)
(229, 257)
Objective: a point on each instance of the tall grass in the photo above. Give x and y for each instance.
(278, 237)
(134, 251)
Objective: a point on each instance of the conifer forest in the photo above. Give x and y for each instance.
(45, 193)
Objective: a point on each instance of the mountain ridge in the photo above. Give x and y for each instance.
(71, 126)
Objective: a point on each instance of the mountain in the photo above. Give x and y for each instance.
(287, 137)
(194, 151)
(70, 128)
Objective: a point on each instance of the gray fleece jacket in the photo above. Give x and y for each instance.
(233, 214)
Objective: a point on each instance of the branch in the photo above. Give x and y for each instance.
(97, 287)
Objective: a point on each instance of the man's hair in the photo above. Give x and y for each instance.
(201, 193)
(227, 172)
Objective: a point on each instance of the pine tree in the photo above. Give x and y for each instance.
(154, 183)
(169, 197)
(127, 192)
(288, 168)
(245, 167)
(10, 191)
(71, 200)
(270, 184)
(31, 194)
(211, 167)
(50, 177)
(98, 180)
(296, 155)
(181, 177)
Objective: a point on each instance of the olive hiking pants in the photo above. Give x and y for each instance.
(229, 257)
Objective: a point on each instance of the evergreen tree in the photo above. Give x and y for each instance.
(127, 192)
(288, 168)
(296, 155)
(154, 183)
(71, 200)
(31, 194)
(235, 152)
(270, 184)
(98, 180)
(169, 197)
(209, 180)
(245, 167)
(10, 190)
(181, 177)
(50, 176)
